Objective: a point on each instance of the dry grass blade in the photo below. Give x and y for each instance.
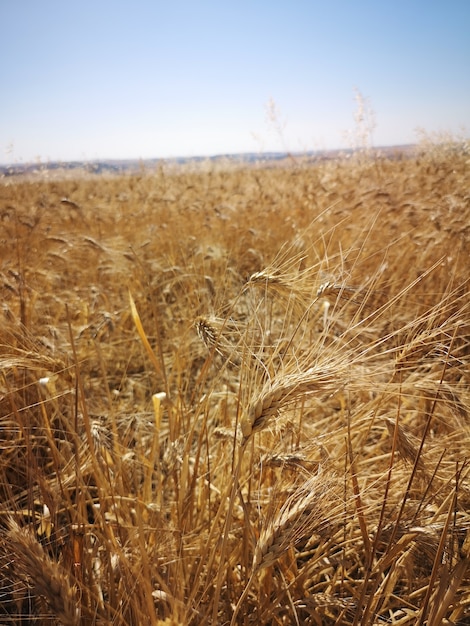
(142, 334)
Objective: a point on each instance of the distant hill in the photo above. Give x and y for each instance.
(116, 166)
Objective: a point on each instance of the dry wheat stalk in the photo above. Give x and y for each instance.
(47, 578)
(287, 278)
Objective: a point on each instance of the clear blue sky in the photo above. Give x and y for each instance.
(94, 79)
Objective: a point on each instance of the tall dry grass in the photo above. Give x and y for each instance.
(237, 395)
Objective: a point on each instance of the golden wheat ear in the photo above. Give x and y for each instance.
(44, 576)
(286, 389)
(220, 336)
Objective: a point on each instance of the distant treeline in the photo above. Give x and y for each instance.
(130, 165)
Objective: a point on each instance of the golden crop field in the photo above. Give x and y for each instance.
(237, 395)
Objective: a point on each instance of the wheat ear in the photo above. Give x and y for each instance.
(277, 394)
(215, 333)
(304, 511)
(47, 577)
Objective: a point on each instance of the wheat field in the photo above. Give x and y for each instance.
(237, 395)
